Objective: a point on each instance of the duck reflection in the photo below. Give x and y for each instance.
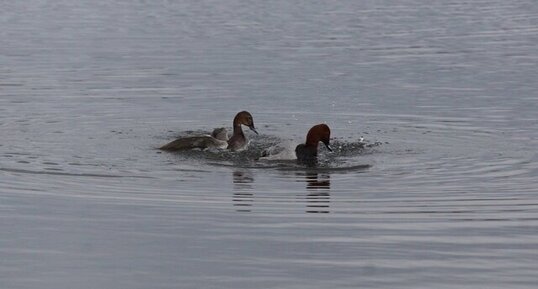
(243, 196)
(318, 196)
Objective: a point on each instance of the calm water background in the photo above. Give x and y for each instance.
(88, 89)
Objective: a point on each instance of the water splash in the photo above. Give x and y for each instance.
(272, 152)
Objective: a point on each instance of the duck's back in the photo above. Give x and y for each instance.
(193, 142)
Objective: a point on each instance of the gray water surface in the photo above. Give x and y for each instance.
(444, 197)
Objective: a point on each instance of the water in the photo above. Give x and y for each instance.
(446, 199)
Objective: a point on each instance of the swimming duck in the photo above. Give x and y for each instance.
(238, 140)
(218, 138)
(308, 151)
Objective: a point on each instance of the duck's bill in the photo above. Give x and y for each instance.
(252, 128)
(328, 147)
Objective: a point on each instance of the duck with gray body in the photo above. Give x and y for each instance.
(218, 138)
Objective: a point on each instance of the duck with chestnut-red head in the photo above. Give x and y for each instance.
(308, 152)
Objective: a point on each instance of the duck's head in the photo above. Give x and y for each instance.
(245, 118)
(319, 133)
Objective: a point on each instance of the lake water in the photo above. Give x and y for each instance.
(445, 194)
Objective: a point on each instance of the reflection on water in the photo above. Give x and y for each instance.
(318, 196)
(243, 196)
(315, 180)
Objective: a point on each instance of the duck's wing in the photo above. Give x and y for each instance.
(193, 142)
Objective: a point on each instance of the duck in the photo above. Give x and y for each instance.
(308, 152)
(218, 138)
